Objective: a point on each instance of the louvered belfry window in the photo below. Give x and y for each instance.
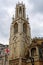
(15, 28)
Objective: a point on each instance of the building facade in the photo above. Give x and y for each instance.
(23, 49)
(20, 36)
(36, 50)
(3, 56)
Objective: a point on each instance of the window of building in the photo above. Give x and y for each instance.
(23, 12)
(15, 28)
(41, 53)
(42, 43)
(17, 12)
(33, 51)
(20, 10)
(24, 27)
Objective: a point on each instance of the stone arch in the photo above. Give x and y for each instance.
(15, 27)
(33, 51)
(24, 27)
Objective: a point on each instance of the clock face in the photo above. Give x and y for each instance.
(14, 38)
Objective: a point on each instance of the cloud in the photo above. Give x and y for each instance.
(37, 25)
(38, 6)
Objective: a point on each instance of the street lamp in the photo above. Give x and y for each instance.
(31, 59)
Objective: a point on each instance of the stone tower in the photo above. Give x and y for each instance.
(20, 37)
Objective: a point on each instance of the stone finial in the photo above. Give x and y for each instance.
(27, 17)
(13, 17)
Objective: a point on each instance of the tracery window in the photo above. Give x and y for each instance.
(41, 53)
(23, 12)
(33, 51)
(15, 28)
(17, 12)
(20, 10)
(24, 27)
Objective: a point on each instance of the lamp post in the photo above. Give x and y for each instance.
(31, 59)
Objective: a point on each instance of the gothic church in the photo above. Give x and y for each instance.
(23, 50)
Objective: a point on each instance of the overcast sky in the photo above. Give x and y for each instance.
(34, 10)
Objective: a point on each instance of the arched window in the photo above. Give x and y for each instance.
(20, 10)
(41, 52)
(33, 51)
(15, 28)
(24, 27)
(23, 12)
(17, 12)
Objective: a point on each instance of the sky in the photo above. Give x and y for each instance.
(34, 10)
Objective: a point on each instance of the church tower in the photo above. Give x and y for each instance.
(20, 37)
